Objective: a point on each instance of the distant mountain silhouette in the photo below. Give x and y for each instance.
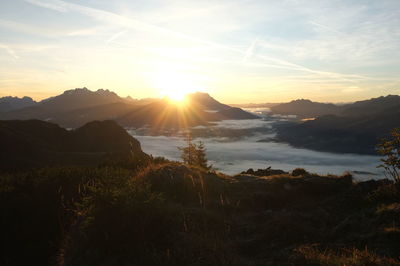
(255, 105)
(356, 129)
(13, 103)
(206, 101)
(161, 114)
(203, 101)
(372, 106)
(80, 98)
(37, 143)
(76, 107)
(307, 108)
(69, 100)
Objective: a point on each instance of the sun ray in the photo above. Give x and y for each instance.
(174, 83)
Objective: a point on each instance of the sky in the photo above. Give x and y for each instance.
(239, 51)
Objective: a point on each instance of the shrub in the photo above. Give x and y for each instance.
(299, 172)
(390, 149)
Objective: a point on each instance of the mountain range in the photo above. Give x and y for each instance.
(351, 128)
(304, 108)
(77, 107)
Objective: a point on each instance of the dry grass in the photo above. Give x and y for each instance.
(388, 208)
(345, 256)
(168, 213)
(392, 229)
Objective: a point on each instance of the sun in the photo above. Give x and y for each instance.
(176, 96)
(174, 86)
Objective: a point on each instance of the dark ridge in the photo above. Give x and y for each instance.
(35, 143)
(341, 134)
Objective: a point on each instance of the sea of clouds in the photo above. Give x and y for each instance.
(259, 150)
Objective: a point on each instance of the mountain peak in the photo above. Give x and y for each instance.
(77, 90)
(199, 94)
(81, 98)
(302, 101)
(205, 99)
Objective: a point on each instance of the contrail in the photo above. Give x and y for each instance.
(115, 36)
(9, 50)
(249, 51)
(325, 27)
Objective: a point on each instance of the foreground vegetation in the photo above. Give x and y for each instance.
(166, 213)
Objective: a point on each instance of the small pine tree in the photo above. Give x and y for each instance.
(189, 151)
(390, 149)
(194, 154)
(201, 159)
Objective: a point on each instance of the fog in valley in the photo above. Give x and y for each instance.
(234, 146)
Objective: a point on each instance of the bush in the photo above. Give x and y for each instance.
(390, 149)
(299, 172)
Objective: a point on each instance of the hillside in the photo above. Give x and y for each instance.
(33, 143)
(172, 214)
(77, 107)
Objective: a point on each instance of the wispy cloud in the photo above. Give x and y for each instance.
(9, 50)
(26, 28)
(57, 6)
(331, 44)
(324, 27)
(86, 31)
(249, 52)
(130, 23)
(352, 89)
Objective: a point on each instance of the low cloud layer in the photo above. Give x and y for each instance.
(232, 156)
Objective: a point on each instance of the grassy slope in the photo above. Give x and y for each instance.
(170, 214)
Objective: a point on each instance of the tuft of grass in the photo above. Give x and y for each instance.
(393, 207)
(345, 256)
(392, 229)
